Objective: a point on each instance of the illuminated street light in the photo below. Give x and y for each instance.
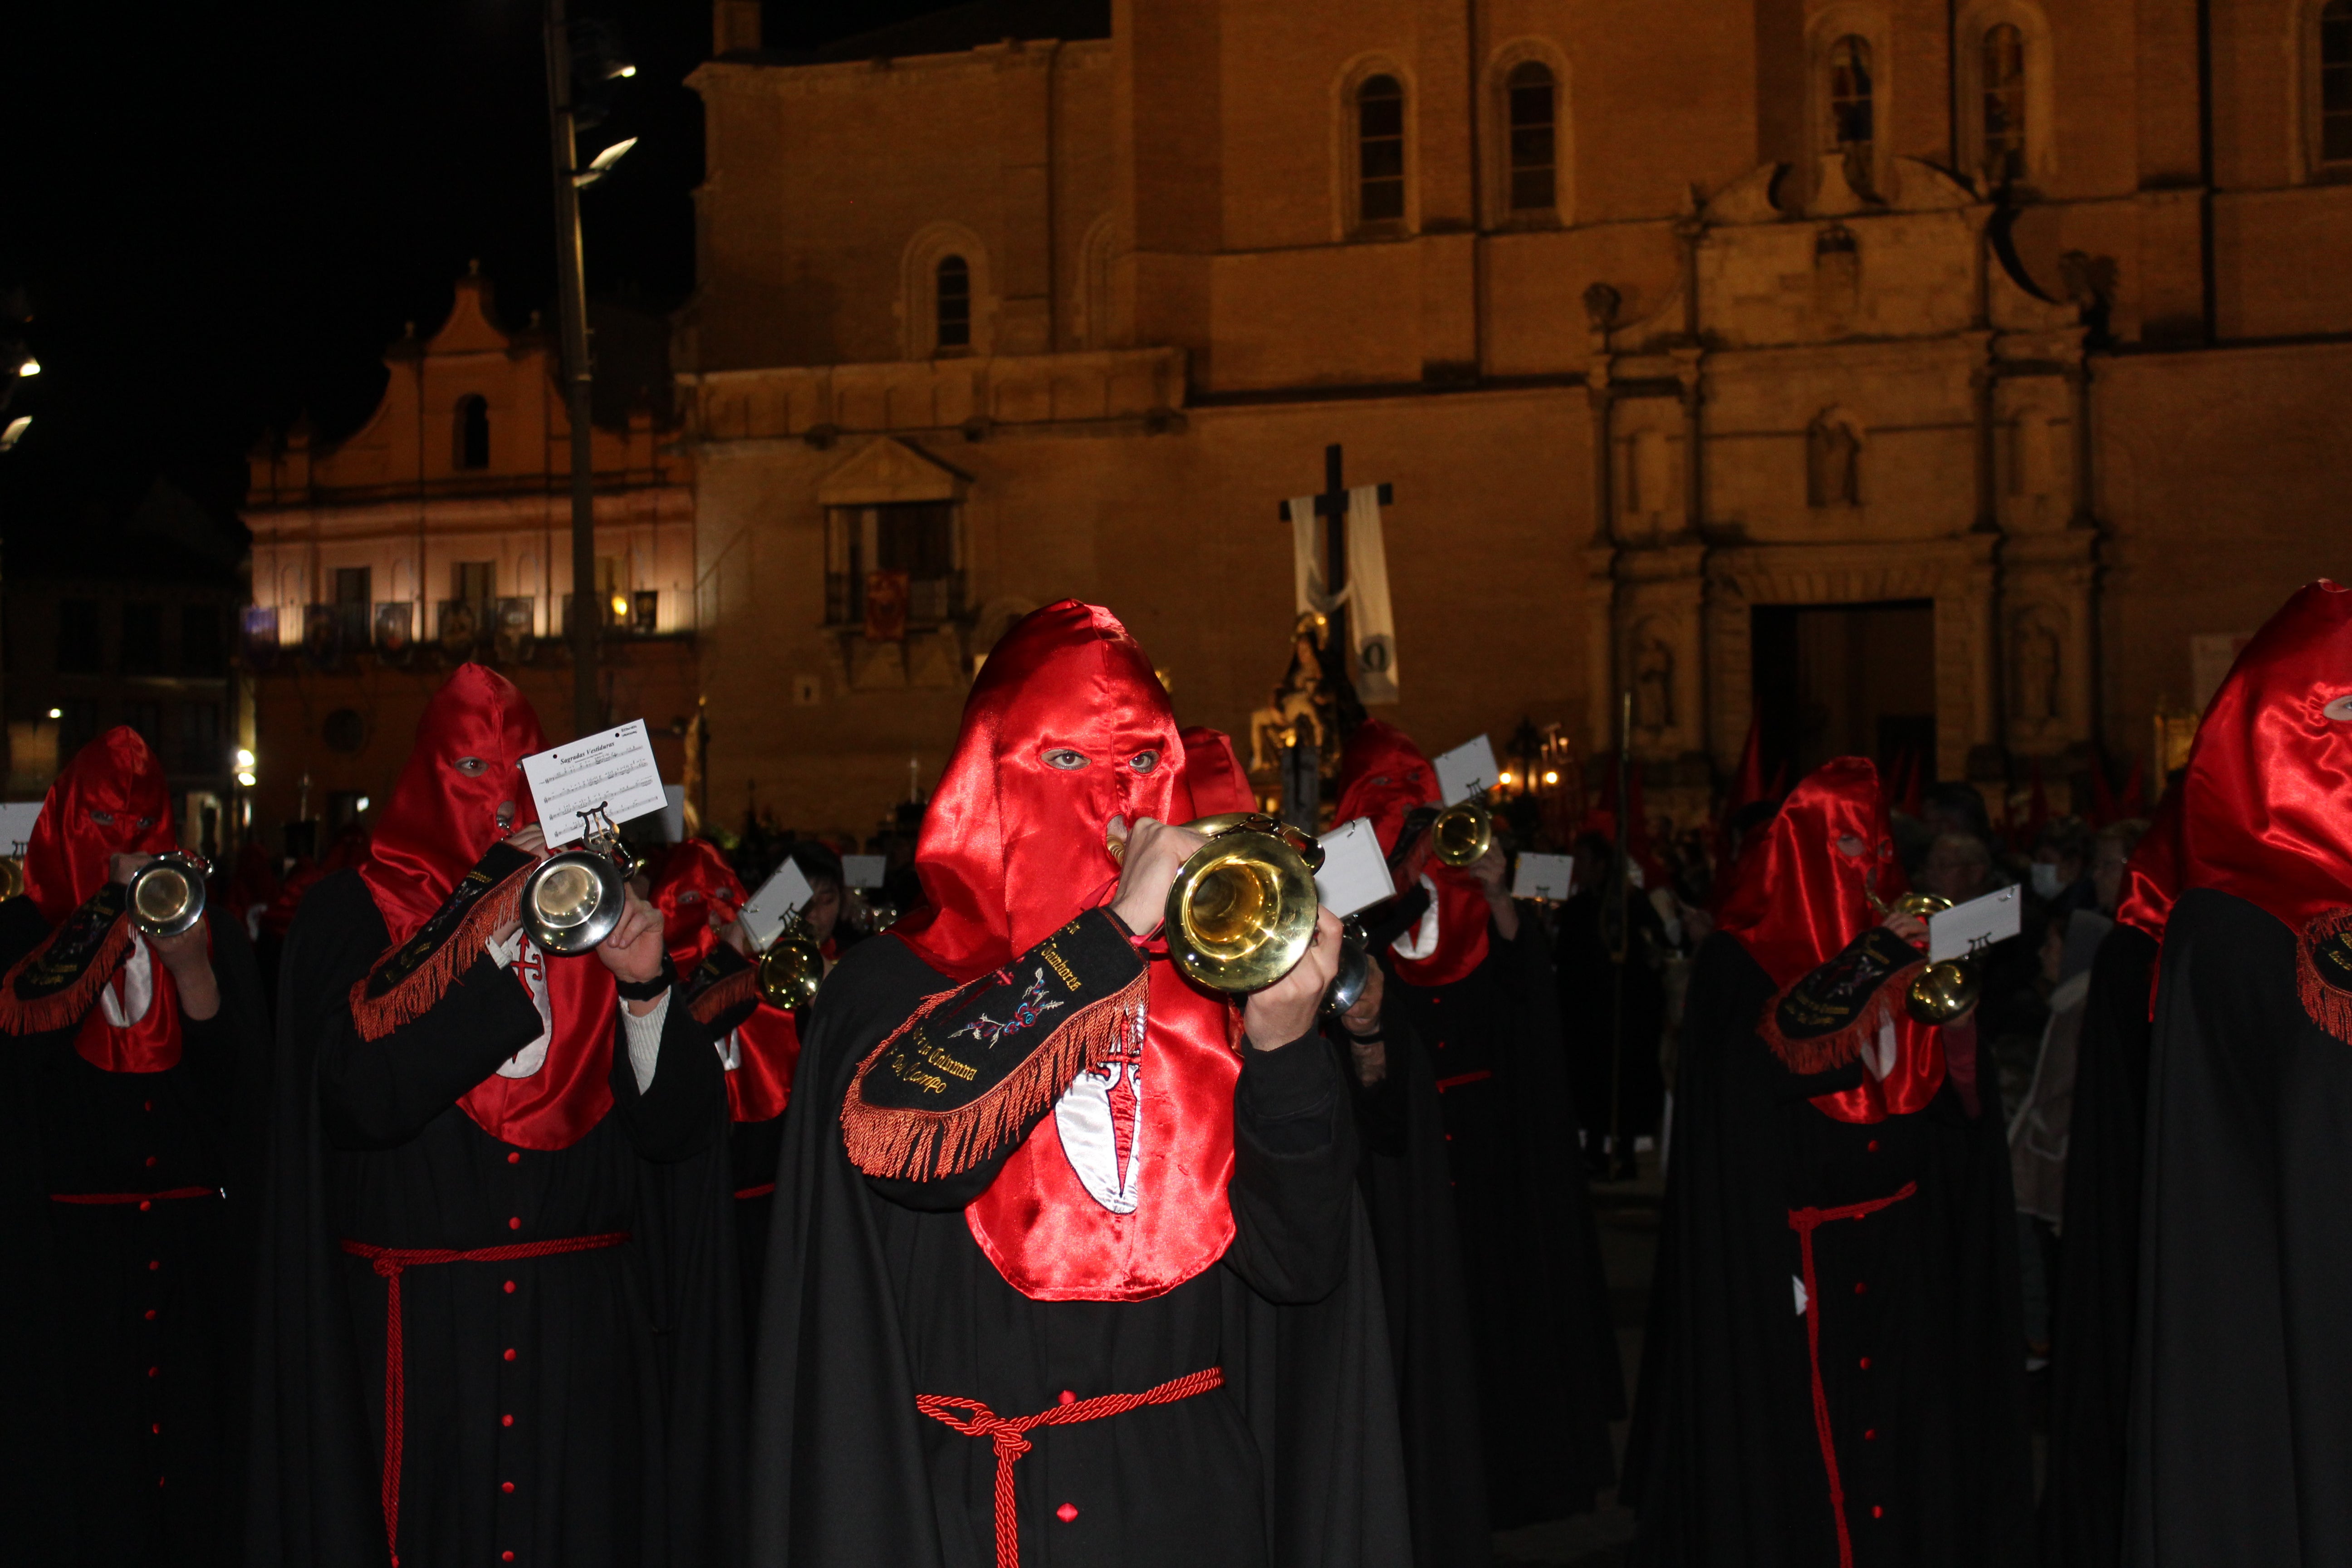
(15, 431)
(602, 164)
(57, 712)
(245, 778)
(244, 757)
(30, 367)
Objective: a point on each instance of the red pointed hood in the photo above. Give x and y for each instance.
(1796, 898)
(1384, 777)
(110, 800)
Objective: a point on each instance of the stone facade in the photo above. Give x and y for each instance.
(1651, 316)
(441, 531)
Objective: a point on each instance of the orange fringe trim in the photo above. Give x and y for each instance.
(418, 992)
(917, 1145)
(65, 1007)
(722, 996)
(1820, 1053)
(2324, 1004)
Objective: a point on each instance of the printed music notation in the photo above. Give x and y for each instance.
(613, 769)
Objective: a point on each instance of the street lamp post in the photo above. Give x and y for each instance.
(572, 303)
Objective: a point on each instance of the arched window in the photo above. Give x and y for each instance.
(2003, 86)
(1532, 101)
(954, 297)
(472, 433)
(1380, 151)
(1851, 118)
(2335, 95)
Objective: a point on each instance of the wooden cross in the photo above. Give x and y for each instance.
(1332, 507)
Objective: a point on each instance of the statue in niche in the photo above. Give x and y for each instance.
(1296, 713)
(1653, 682)
(2036, 667)
(1833, 462)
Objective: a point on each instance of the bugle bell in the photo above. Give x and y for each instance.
(12, 876)
(1946, 988)
(167, 894)
(1462, 832)
(792, 967)
(1242, 910)
(572, 902)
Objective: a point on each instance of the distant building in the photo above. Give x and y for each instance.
(128, 622)
(441, 531)
(1951, 383)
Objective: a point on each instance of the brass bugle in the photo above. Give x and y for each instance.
(572, 901)
(1462, 832)
(12, 876)
(1242, 910)
(792, 968)
(167, 894)
(1945, 989)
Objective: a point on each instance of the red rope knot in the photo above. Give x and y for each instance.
(1008, 1435)
(387, 1266)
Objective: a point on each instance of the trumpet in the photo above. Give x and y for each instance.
(1945, 989)
(792, 968)
(12, 876)
(572, 901)
(167, 894)
(1241, 912)
(1462, 832)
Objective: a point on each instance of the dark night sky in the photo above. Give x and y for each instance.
(220, 211)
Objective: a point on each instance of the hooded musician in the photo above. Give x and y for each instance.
(497, 1305)
(1051, 1224)
(128, 1154)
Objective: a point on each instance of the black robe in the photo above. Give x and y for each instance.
(2241, 1430)
(870, 1302)
(1549, 1381)
(582, 1408)
(1604, 1062)
(123, 1326)
(1921, 1366)
(1408, 1190)
(2099, 1262)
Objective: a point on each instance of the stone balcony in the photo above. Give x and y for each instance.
(979, 396)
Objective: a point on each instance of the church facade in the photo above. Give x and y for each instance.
(1957, 384)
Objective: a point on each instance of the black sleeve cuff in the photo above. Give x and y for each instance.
(1287, 1096)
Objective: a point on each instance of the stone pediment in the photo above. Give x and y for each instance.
(470, 329)
(887, 470)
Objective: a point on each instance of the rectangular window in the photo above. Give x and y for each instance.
(143, 640)
(1533, 155)
(1380, 151)
(78, 727)
(2004, 104)
(475, 580)
(352, 584)
(147, 718)
(918, 538)
(200, 738)
(2335, 89)
(954, 301)
(200, 640)
(79, 652)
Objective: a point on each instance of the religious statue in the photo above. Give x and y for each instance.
(1654, 683)
(1296, 714)
(2036, 668)
(1833, 462)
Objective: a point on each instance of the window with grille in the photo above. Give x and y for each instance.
(1380, 151)
(1853, 111)
(918, 538)
(953, 300)
(2004, 104)
(79, 651)
(2335, 96)
(143, 640)
(473, 432)
(1533, 106)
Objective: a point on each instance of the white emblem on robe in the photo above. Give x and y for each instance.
(1420, 941)
(531, 964)
(137, 979)
(1100, 1118)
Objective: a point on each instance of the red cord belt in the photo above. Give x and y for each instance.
(144, 1200)
(1804, 1222)
(390, 1261)
(978, 1421)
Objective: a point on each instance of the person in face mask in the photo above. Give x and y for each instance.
(2060, 868)
(1831, 1372)
(128, 1155)
(497, 1310)
(1048, 1204)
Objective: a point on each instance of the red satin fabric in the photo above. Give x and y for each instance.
(69, 857)
(1383, 776)
(2264, 804)
(437, 825)
(1214, 772)
(2152, 877)
(699, 892)
(1012, 849)
(1796, 899)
